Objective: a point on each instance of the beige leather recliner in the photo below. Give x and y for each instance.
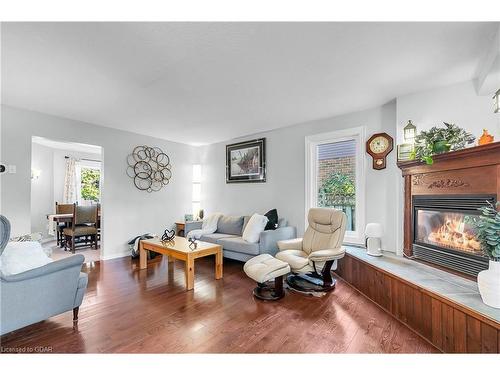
(319, 250)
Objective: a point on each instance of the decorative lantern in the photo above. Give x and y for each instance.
(410, 132)
(496, 102)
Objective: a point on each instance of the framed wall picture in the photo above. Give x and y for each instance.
(405, 151)
(246, 161)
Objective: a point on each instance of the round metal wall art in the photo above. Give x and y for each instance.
(149, 167)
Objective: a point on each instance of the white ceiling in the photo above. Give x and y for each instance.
(68, 146)
(208, 82)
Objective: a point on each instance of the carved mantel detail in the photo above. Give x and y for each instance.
(417, 179)
(448, 183)
(443, 183)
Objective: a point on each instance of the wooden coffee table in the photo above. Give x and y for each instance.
(179, 249)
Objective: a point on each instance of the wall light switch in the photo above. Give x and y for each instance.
(11, 169)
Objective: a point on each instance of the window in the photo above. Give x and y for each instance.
(335, 177)
(88, 181)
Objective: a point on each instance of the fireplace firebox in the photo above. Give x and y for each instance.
(444, 234)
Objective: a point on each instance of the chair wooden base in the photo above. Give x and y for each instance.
(270, 291)
(70, 243)
(313, 282)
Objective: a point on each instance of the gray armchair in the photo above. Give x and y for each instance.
(40, 293)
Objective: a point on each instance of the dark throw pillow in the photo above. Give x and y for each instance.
(272, 215)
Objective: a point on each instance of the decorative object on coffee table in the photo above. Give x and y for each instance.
(149, 167)
(168, 235)
(246, 161)
(438, 140)
(488, 233)
(192, 243)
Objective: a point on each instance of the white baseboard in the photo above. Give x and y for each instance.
(116, 255)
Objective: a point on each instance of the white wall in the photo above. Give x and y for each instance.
(457, 104)
(42, 188)
(126, 210)
(285, 186)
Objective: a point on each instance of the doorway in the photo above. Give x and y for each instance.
(66, 196)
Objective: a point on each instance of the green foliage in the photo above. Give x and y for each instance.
(488, 231)
(337, 189)
(90, 184)
(453, 137)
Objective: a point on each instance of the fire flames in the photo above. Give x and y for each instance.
(452, 234)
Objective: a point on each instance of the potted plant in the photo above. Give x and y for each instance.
(488, 234)
(438, 140)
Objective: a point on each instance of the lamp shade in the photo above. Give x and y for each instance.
(374, 230)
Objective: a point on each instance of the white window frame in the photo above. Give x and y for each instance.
(89, 164)
(312, 142)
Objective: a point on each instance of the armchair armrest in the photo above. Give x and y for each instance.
(269, 239)
(192, 225)
(72, 261)
(327, 254)
(290, 244)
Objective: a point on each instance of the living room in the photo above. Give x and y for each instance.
(259, 191)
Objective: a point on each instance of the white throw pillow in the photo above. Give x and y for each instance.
(255, 226)
(19, 257)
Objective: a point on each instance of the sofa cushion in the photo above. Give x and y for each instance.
(215, 237)
(254, 228)
(20, 257)
(239, 245)
(297, 259)
(272, 216)
(282, 222)
(230, 225)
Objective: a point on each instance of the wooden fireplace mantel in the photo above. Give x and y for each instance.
(474, 170)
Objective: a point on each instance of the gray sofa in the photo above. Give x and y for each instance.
(40, 293)
(230, 230)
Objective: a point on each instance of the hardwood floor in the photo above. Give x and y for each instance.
(127, 310)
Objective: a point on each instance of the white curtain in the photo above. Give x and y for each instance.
(70, 182)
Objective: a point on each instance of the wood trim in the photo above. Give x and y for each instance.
(468, 158)
(449, 326)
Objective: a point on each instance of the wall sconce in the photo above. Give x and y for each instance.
(410, 132)
(35, 173)
(496, 102)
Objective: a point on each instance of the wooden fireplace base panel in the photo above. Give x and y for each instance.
(450, 327)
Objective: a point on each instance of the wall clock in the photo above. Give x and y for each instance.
(379, 146)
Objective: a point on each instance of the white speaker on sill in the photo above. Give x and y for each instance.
(373, 239)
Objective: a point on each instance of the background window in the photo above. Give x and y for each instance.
(336, 178)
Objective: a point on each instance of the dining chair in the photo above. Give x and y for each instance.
(62, 208)
(84, 225)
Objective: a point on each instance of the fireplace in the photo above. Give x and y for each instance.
(444, 234)
(440, 203)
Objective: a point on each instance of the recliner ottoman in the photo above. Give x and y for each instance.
(263, 268)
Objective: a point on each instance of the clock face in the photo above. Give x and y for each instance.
(379, 144)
